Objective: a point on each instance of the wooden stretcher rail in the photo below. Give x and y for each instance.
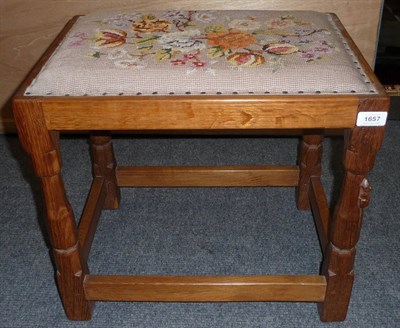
(207, 176)
(320, 210)
(91, 215)
(205, 288)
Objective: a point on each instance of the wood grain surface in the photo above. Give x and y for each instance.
(27, 28)
(205, 289)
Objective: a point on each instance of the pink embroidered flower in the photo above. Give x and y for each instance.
(178, 62)
(323, 49)
(245, 59)
(284, 21)
(308, 55)
(280, 48)
(77, 43)
(199, 64)
(189, 56)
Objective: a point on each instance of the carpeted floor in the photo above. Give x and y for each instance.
(197, 231)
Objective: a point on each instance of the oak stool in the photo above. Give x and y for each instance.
(203, 72)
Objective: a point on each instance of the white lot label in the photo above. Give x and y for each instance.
(371, 118)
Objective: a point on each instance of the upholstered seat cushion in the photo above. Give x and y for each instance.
(202, 52)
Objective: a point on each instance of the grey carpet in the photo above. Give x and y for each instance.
(197, 231)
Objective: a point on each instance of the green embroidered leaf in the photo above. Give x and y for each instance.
(101, 22)
(163, 55)
(145, 48)
(97, 54)
(149, 17)
(215, 28)
(189, 24)
(147, 40)
(215, 52)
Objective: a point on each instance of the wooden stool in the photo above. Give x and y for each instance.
(215, 71)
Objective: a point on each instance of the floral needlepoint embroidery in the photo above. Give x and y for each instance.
(231, 39)
(280, 48)
(184, 41)
(110, 38)
(244, 59)
(195, 52)
(204, 17)
(129, 63)
(204, 40)
(284, 21)
(244, 24)
(151, 25)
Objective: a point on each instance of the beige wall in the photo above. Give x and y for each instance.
(28, 27)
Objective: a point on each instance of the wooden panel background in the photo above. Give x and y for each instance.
(28, 27)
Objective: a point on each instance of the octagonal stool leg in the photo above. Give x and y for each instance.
(361, 146)
(104, 166)
(70, 266)
(310, 153)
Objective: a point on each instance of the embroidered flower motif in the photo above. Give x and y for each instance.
(214, 28)
(280, 48)
(178, 62)
(121, 20)
(190, 59)
(244, 24)
(204, 41)
(204, 17)
(174, 14)
(185, 41)
(245, 59)
(323, 49)
(308, 55)
(77, 43)
(129, 63)
(110, 38)
(78, 39)
(151, 25)
(118, 53)
(198, 64)
(284, 21)
(79, 35)
(232, 39)
(318, 51)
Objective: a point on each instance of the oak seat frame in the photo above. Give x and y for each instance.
(40, 120)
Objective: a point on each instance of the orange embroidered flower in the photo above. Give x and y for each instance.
(151, 25)
(232, 39)
(245, 59)
(110, 38)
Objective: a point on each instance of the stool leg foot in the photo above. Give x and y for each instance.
(71, 269)
(104, 165)
(310, 153)
(361, 146)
